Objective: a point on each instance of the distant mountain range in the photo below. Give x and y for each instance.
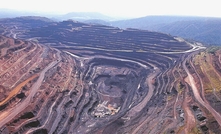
(203, 29)
(83, 16)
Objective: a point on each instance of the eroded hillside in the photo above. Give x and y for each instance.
(81, 78)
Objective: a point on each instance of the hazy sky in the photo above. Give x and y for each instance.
(120, 8)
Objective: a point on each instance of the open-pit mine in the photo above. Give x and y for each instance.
(74, 78)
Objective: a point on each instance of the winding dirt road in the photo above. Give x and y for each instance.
(197, 94)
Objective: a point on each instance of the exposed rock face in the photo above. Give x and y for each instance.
(132, 82)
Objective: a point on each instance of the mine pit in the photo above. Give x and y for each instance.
(93, 79)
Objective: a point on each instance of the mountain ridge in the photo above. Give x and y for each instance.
(174, 25)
